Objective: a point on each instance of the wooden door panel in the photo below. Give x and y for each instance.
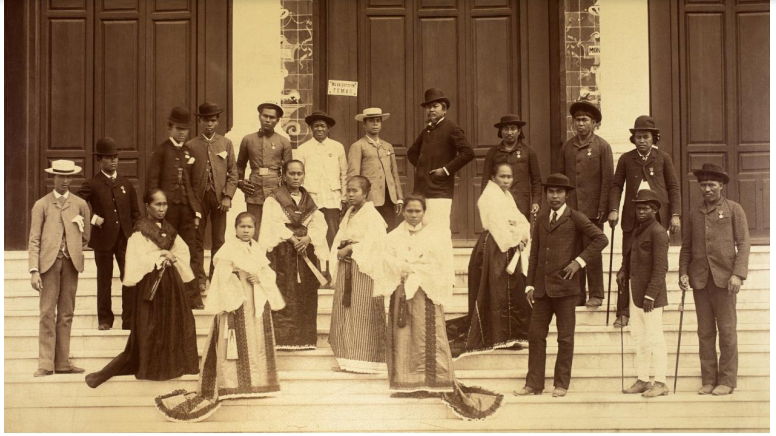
(120, 5)
(67, 4)
(493, 90)
(69, 105)
(170, 59)
(705, 79)
(753, 78)
(438, 59)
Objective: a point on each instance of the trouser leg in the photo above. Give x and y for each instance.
(332, 217)
(127, 292)
(707, 336)
(103, 259)
(656, 343)
(256, 210)
(49, 297)
(538, 329)
(637, 326)
(565, 319)
(724, 305)
(209, 208)
(623, 298)
(217, 234)
(183, 216)
(68, 283)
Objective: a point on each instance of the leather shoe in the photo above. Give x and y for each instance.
(637, 388)
(559, 392)
(621, 321)
(103, 326)
(527, 390)
(71, 370)
(722, 390)
(42, 372)
(706, 390)
(93, 380)
(594, 302)
(658, 389)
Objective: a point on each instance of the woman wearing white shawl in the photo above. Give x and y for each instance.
(239, 356)
(357, 333)
(498, 313)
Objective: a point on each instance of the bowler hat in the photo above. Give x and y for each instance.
(179, 115)
(208, 109)
(106, 147)
(372, 112)
(647, 196)
(509, 119)
(319, 115)
(558, 180)
(587, 107)
(712, 171)
(63, 167)
(644, 122)
(271, 105)
(434, 94)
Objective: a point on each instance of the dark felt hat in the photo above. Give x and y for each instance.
(558, 180)
(647, 196)
(106, 147)
(319, 115)
(509, 119)
(434, 94)
(644, 122)
(208, 109)
(180, 115)
(712, 171)
(272, 106)
(587, 107)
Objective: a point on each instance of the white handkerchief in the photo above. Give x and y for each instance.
(78, 219)
(94, 219)
(222, 155)
(191, 161)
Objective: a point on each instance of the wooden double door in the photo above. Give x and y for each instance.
(471, 49)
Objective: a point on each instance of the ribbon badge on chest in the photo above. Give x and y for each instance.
(651, 171)
(721, 215)
(589, 153)
(123, 191)
(517, 154)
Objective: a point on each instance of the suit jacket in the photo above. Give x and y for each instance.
(716, 241)
(527, 186)
(163, 169)
(379, 166)
(49, 222)
(443, 145)
(589, 168)
(220, 152)
(646, 264)
(116, 202)
(263, 151)
(554, 247)
(658, 171)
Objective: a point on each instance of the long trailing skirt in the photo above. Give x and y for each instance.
(238, 362)
(357, 333)
(296, 325)
(419, 359)
(499, 312)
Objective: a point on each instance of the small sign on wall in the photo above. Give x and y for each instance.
(343, 87)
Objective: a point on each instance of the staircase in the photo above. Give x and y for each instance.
(316, 398)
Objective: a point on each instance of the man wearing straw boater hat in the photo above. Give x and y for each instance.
(440, 151)
(59, 231)
(375, 159)
(714, 262)
(115, 209)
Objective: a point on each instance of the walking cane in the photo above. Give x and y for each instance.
(679, 341)
(609, 291)
(622, 347)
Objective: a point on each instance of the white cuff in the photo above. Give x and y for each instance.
(198, 215)
(33, 270)
(581, 262)
(94, 219)
(649, 298)
(528, 289)
(399, 201)
(446, 172)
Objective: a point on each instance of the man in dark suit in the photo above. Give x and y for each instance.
(587, 162)
(645, 265)
(645, 167)
(214, 180)
(714, 261)
(557, 254)
(170, 170)
(438, 153)
(114, 205)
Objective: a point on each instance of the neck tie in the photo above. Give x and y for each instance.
(554, 217)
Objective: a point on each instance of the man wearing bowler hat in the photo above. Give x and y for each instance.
(440, 150)
(326, 170)
(587, 162)
(527, 186)
(375, 159)
(714, 262)
(214, 180)
(59, 231)
(645, 167)
(266, 152)
(557, 255)
(645, 265)
(115, 209)
(170, 170)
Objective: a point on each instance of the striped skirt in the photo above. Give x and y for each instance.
(357, 333)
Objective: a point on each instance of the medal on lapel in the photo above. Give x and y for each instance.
(123, 191)
(517, 153)
(721, 215)
(651, 171)
(273, 146)
(589, 152)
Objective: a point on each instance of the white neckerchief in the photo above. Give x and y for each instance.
(113, 177)
(175, 143)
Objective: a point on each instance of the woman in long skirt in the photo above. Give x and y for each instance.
(417, 269)
(239, 356)
(498, 313)
(357, 333)
(163, 342)
(293, 234)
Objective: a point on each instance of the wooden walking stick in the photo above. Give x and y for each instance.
(679, 341)
(622, 345)
(609, 291)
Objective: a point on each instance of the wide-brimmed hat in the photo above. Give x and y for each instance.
(647, 196)
(712, 171)
(208, 109)
(270, 105)
(558, 180)
(180, 115)
(372, 112)
(63, 167)
(106, 147)
(434, 94)
(319, 115)
(509, 119)
(587, 107)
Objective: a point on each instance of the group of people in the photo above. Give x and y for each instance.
(320, 217)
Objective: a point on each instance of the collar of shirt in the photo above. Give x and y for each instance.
(373, 142)
(432, 125)
(707, 209)
(57, 195)
(580, 144)
(559, 212)
(209, 139)
(269, 134)
(247, 243)
(175, 143)
(414, 229)
(644, 156)
(503, 147)
(112, 177)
